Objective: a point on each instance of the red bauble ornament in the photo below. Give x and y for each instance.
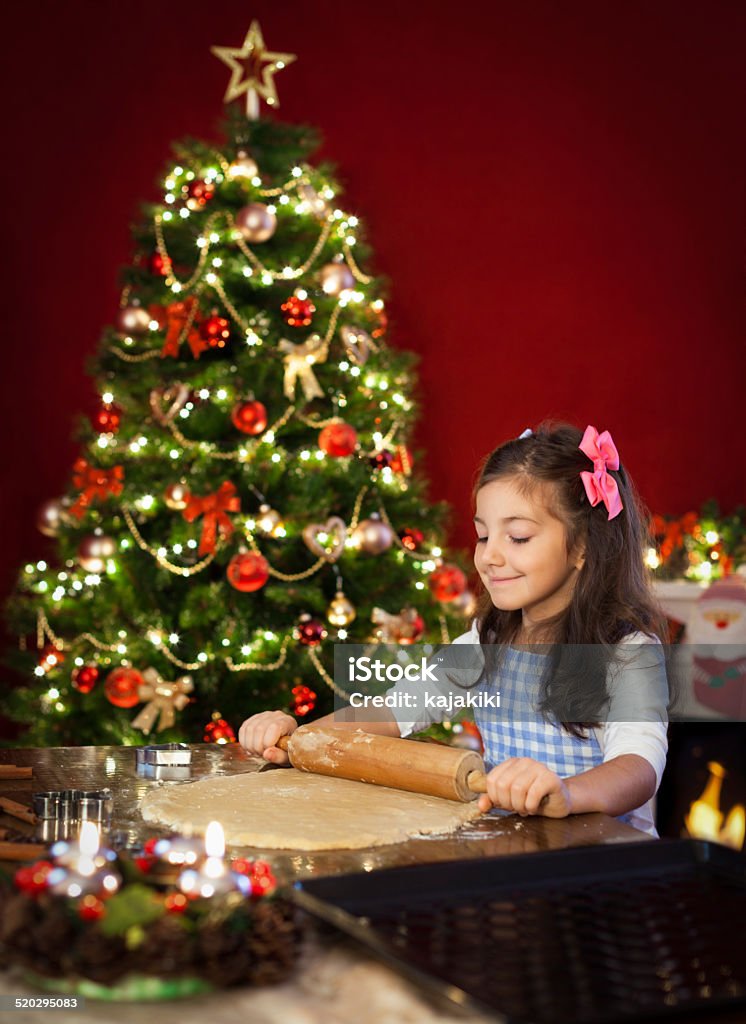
(91, 908)
(32, 879)
(249, 417)
(298, 312)
(50, 657)
(107, 419)
(411, 538)
(447, 582)
(304, 700)
(338, 440)
(198, 193)
(381, 459)
(310, 632)
(248, 572)
(218, 730)
(215, 330)
(402, 461)
(158, 266)
(121, 687)
(84, 678)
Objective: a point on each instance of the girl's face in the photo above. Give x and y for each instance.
(521, 553)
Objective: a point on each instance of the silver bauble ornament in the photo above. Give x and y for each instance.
(373, 536)
(336, 278)
(256, 223)
(49, 517)
(341, 611)
(133, 320)
(176, 496)
(94, 550)
(244, 166)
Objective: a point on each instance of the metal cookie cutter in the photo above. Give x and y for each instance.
(73, 804)
(60, 811)
(170, 762)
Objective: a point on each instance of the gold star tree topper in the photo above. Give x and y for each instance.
(253, 68)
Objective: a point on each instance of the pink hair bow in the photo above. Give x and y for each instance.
(600, 485)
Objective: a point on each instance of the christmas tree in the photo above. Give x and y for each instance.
(245, 494)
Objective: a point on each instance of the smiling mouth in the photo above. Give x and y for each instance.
(502, 579)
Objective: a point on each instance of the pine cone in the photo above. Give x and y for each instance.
(168, 949)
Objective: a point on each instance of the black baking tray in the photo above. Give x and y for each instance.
(598, 935)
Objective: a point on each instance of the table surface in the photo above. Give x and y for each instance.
(334, 982)
(94, 768)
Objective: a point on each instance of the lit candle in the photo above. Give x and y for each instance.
(82, 867)
(213, 877)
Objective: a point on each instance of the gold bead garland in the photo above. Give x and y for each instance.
(351, 263)
(152, 353)
(177, 570)
(325, 675)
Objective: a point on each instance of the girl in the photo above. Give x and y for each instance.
(559, 550)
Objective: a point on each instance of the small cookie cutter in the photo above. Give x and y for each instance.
(73, 804)
(171, 755)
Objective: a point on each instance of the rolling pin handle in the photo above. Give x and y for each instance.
(283, 743)
(477, 782)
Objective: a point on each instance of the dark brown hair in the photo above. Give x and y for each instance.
(612, 596)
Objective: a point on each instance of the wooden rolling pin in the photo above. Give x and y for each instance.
(400, 764)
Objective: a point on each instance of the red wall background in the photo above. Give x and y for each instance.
(556, 191)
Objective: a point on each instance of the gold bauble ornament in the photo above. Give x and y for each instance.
(176, 496)
(269, 521)
(373, 536)
(49, 518)
(243, 167)
(341, 611)
(327, 540)
(94, 550)
(256, 223)
(336, 278)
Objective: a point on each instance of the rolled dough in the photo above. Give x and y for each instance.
(288, 809)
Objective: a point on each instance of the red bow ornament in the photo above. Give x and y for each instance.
(181, 323)
(95, 483)
(214, 507)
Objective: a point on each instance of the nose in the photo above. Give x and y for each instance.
(492, 553)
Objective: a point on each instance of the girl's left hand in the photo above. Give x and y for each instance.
(525, 786)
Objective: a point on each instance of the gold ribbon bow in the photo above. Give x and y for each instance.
(164, 700)
(299, 362)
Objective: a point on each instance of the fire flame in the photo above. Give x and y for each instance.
(705, 819)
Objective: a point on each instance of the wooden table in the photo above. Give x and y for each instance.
(334, 982)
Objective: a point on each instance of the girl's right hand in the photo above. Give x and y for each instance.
(260, 733)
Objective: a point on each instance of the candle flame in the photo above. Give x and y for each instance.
(215, 840)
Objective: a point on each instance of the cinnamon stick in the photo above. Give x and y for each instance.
(17, 810)
(3, 833)
(15, 771)
(21, 851)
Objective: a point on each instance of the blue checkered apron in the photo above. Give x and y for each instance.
(518, 729)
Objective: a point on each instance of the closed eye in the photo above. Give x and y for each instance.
(513, 540)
